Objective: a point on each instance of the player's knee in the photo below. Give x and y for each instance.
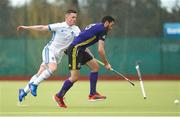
(53, 68)
(73, 79)
(95, 68)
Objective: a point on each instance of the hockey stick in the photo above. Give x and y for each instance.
(119, 74)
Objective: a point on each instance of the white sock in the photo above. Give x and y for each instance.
(43, 76)
(26, 89)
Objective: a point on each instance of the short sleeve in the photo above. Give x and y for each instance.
(53, 27)
(103, 35)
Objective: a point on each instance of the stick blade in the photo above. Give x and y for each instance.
(131, 83)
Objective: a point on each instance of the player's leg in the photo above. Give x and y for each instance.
(26, 90)
(68, 83)
(33, 78)
(59, 97)
(87, 59)
(94, 95)
(74, 66)
(50, 59)
(51, 67)
(93, 65)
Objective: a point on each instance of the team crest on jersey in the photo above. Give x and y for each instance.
(72, 33)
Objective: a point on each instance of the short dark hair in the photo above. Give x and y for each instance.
(108, 18)
(70, 11)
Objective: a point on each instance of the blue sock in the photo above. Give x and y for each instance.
(93, 82)
(66, 86)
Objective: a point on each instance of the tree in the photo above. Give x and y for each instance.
(135, 18)
(5, 19)
(39, 13)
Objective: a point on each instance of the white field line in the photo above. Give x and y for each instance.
(13, 113)
(21, 105)
(91, 116)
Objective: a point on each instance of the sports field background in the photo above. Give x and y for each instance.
(122, 99)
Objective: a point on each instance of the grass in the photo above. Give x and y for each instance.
(123, 99)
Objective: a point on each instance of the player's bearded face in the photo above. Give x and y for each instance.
(71, 18)
(110, 25)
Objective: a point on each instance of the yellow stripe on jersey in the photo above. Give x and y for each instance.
(75, 49)
(74, 58)
(86, 42)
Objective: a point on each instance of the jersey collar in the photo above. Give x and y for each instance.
(66, 25)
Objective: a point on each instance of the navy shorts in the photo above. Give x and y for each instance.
(77, 57)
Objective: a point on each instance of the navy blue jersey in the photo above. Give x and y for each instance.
(90, 35)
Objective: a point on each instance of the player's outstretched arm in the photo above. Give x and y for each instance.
(102, 54)
(33, 28)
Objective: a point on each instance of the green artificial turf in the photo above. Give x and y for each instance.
(122, 99)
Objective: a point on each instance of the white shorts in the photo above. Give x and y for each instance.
(50, 56)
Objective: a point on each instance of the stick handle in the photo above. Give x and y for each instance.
(117, 73)
(123, 76)
(99, 62)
